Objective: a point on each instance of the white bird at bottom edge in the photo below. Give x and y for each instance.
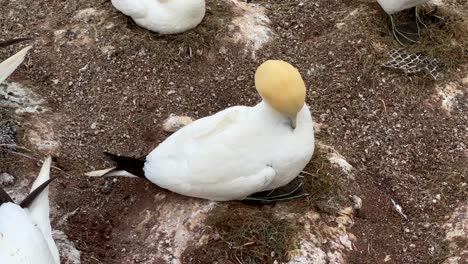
(25, 231)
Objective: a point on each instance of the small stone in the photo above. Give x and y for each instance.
(222, 50)
(7, 179)
(465, 80)
(93, 125)
(171, 92)
(412, 245)
(357, 202)
(437, 196)
(174, 123)
(109, 25)
(387, 258)
(407, 230)
(108, 50)
(87, 14)
(107, 188)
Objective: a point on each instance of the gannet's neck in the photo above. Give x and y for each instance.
(267, 111)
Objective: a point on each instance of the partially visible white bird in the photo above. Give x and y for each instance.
(163, 16)
(407, 33)
(239, 151)
(8, 66)
(25, 232)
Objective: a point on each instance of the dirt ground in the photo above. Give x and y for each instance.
(109, 85)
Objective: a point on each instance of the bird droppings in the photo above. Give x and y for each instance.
(449, 95)
(337, 159)
(457, 235)
(252, 26)
(40, 134)
(21, 98)
(68, 252)
(317, 234)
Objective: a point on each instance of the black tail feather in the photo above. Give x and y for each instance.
(131, 165)
(9, 42)
(4, 197)
(30, 198)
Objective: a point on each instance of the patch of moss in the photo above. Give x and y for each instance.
(321, 182)
(246, 235)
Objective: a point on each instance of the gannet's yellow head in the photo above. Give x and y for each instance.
(281, 86)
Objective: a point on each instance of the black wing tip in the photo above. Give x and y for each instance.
(131, 165)
(33, 195)
(111, 156)
(9, 42)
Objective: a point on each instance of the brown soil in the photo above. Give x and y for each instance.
(388, 125)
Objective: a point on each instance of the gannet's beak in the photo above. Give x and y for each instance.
(292, 121)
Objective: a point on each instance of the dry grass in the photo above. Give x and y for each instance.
(322, 184)
(246, 235)
(253, 234)
(444, 40)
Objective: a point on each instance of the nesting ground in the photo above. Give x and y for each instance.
(108, 85)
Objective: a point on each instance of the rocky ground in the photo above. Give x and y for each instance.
(388, 181)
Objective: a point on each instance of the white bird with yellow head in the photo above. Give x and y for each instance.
(236, 152)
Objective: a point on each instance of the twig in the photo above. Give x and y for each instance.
(398, 208)
(38, 160)
(14, 146)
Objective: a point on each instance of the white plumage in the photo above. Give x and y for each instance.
(25, 234)
(240, 150)
(232, 154)
(395, 6)
(163, 16)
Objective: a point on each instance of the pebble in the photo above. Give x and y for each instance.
(7, 179)
(357, 202)
(174, 123)
(107, 188)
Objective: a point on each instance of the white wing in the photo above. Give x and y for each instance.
(20, 240)
(39, 208)
(9, 65)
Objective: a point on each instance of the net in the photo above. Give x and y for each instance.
(413, 63)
